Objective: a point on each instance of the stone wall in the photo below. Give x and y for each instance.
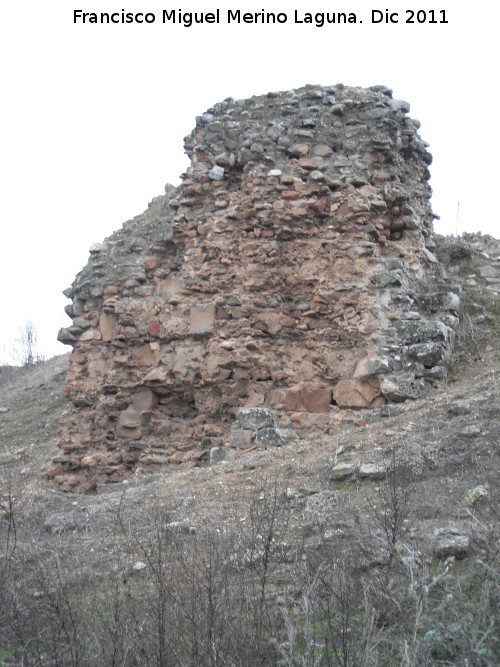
(291, 271)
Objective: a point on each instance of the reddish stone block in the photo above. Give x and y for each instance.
(308, 164)
(142, 355)
(154, 328)
(357, 393)
(308, 397)
(289, 194)
(319, 205)
(107, 323)
(202, 319)
(151, 263)
(169, 287)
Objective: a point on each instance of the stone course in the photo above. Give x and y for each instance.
(293, 270)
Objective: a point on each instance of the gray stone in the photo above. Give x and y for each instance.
(218, 454)
(441, 301)
(241, 438)
(255, 418)
(159, 459)
(372, 471)
(274, 437)
(345, 470)
(3, 409)
(66, 336)
(432, 258)
(61, 458)
(428, 354)
(422, 331)
(451, 542)
(216, 173)
(401, 387)
(472, 431)
(372, 366)
(399, 105)
(81, 322)
(387, 279)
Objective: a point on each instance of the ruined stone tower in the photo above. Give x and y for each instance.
(292, 270)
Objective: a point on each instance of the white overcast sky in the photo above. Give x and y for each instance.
(93, 117)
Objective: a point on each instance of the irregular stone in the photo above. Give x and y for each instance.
(412, 331)
(142, 355)
(299, 150)
(387, 279)
(169, 287)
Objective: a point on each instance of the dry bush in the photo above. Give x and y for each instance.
(162, 596)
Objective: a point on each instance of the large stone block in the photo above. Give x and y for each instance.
(129, 425)
(144, 399)
(107, 323)
(357, 393)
